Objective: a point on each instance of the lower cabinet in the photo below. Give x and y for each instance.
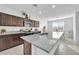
(9, 41)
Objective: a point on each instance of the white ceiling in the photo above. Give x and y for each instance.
(47, 10)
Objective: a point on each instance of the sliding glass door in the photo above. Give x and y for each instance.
(57, 29)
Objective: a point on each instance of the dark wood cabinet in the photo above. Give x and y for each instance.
(0, 18)
(10, 20)
(5, 19)
(2, 43)
(27, 48)
(36, 23)
(9, 41)
(14, 21)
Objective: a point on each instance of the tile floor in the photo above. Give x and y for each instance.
(63, 49)
(18, 50)
(67, 47)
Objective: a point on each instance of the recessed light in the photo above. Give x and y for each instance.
(53, 6)
(35, 5)
(40, 12)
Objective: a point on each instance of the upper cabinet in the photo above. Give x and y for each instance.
(10, 20)
(31, 23)
(5, 19)
(36, 24)
(17, 21)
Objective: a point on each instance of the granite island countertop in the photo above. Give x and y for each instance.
(41, 41)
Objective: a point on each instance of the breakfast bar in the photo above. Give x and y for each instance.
(40, 42)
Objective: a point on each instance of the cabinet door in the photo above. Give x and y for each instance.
(32, 23)
(0, 19)
(2, 44)
(7, 42)
(6, 20)
(36, 23)
(14, 22)
(16, 40)
(19, 21)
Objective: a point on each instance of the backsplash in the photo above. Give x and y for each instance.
(13, 28)
(8, 28)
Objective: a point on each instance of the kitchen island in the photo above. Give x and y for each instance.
(12, 39)
(40, 44)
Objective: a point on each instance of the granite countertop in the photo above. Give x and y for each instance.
(17, 32)
(41, 41)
